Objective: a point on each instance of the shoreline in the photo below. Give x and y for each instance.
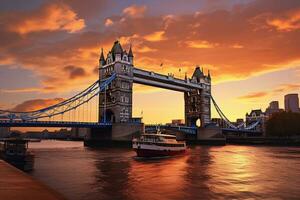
(17, 185)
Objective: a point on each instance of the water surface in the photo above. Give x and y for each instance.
(227, 172)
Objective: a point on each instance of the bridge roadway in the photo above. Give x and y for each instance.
(230, 130)
(7, 123)
(185, 129)
(163, 81)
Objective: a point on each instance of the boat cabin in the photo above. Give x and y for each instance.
(157, 138)
(14, 146)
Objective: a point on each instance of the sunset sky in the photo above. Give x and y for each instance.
(49, 50)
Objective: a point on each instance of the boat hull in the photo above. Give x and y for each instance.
(147, 153)
(25, 162)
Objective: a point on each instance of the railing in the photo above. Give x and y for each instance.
(15, 123)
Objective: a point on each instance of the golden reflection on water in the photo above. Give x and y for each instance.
(236, 170)
(158, 178)
(204, 172)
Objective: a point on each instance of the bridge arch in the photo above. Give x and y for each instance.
(110, 116)
(196, 122)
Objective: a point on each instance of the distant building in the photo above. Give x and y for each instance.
(274, 105)
(45, 134)
(273, 108)
(219, 122)
(177, 122)
(239, 121)
(254, 116)
(4, 132)
(291, 103)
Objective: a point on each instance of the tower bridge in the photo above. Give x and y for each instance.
(113, 91)
(118, 97)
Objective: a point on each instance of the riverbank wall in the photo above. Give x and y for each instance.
(17, 185)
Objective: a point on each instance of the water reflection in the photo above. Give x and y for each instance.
(112, 181)
(228, 172)
(159, 178)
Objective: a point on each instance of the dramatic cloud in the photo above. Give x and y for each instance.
(20, 90)
(289, 22)
(50, 17)
(156, 36)
(234, 42)
(108, 22)
(284, 88)
(201, 44)
(36, 104)
(74, 72)
(254, 95)
(135, 11)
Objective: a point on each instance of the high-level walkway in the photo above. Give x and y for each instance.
(16, 185)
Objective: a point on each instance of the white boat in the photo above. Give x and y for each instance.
(158, 145)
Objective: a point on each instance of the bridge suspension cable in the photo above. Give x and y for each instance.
(227, 121)
(70, 104)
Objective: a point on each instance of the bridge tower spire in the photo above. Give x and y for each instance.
(197, 101)
(116, 104)
(102, 59)
(130, 55)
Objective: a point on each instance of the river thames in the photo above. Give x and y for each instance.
(204, 172)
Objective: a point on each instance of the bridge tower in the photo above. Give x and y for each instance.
(197, 102)
(115, 104)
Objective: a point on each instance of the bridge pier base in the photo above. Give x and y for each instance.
(210, 136)
(117, 134)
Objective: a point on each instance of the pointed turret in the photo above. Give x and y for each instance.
(117, 51)
(198, 73)
(208, 76)
(102, 59)
(130, 55)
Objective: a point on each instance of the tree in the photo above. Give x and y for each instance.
(283, 124)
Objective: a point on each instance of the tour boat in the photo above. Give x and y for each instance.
(157, 145)
(14, 151)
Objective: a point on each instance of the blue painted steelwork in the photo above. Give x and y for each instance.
(60, 108)
(6, 123)
(239, 128)
(224, 130)
(185, 129)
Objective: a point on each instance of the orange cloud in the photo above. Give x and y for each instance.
(254, 95)
(74, 72)
(237, 46)
(135, 11)
(145, 49)
(36, 104)
(277, 90)
(108, 22)
(156, 36)
(286, 88)
(201, 44)
(181, 42)
(289, 22)
(20, 90)
(51, 17)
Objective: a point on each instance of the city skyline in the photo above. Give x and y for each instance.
(250, 48)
